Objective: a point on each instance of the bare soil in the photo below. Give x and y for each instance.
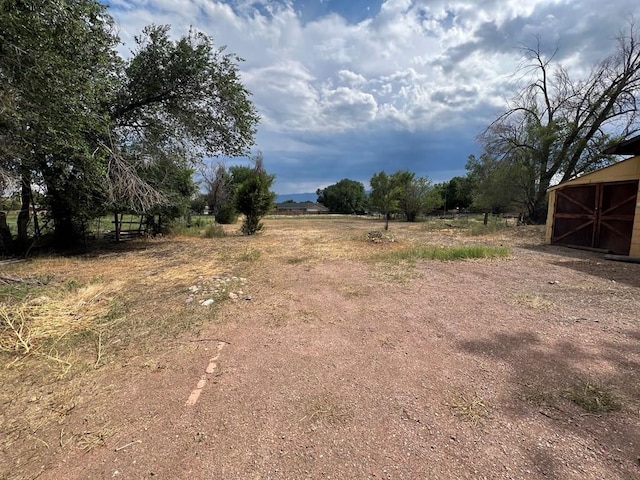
(332, 363)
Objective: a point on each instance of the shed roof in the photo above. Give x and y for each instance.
(628, 147)
(628, 169)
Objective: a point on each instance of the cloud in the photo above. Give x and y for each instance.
(345, 89)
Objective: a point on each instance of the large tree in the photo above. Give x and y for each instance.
(74, 116)
(57, 69)
(557, 127)
(346, 196)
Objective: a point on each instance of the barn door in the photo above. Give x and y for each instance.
(596, 215)
(616, 215)
(574, 221)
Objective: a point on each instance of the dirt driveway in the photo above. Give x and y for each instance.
(331, 363)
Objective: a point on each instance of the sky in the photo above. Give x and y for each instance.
(348, 88)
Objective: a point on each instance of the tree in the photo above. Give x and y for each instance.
(457, 193)
(57, 68)
(254, 198)
(497, 186)
(74, 115)
(221, 193)
(384, 196)
(346, 196)
(414, 195)
(557, 127)
(185, 95)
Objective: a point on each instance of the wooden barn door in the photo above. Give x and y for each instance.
(616, 215)
(596, 215)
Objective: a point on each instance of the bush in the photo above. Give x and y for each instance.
(226, 214)
(214, 230)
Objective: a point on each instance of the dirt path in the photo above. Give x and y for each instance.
(349, 369)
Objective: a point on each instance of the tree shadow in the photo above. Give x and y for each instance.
(545, 381)
(591, 263)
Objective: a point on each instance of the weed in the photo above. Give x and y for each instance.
(250, 255)
(593, 397)
(295, 260)
(72, 285)
(433, 252)
(213, 230)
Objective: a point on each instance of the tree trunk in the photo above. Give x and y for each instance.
(23, 216)
(386, 221)
(6, 240)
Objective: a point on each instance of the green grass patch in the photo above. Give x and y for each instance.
(434, 252)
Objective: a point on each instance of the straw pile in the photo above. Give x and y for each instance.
(27, 326)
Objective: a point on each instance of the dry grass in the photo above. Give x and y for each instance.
(327, 409)
(470, 408)
(532, 301)
(42, 325)
(593, 397)
(116, 307)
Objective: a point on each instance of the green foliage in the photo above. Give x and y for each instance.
(94, 131)
(346, 196)
(415, 195)
(172, 177)
(384, 195)
(253, 195)
(221, 193)
(214, 230)
(497, 187)
(404, 193)
(455, 194)
(184, 96)
(198, 203)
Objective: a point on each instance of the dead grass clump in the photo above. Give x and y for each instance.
(473, 409)
(532, 301)
(593, 397)
(326, 408)
(32, 325)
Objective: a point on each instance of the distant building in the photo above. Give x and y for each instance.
(300, 208)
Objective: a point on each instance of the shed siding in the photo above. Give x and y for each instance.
(628, 169)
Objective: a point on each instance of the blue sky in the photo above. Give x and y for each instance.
(347, 88)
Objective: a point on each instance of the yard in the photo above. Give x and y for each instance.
(322, 348)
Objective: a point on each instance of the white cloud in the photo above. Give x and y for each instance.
(415, 66)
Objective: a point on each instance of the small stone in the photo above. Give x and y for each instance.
(248, 297)
(194, 288)
(189, 300)
(207, 303)
(233, 296)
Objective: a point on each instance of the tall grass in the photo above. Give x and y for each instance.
(434, 252)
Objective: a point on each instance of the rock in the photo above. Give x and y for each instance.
(189, 299)
(248, 297)
(207, 303)
(194, 288)
(233, 296)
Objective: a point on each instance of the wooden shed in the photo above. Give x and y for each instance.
(600, 209)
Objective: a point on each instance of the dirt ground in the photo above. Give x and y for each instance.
(333, 363)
